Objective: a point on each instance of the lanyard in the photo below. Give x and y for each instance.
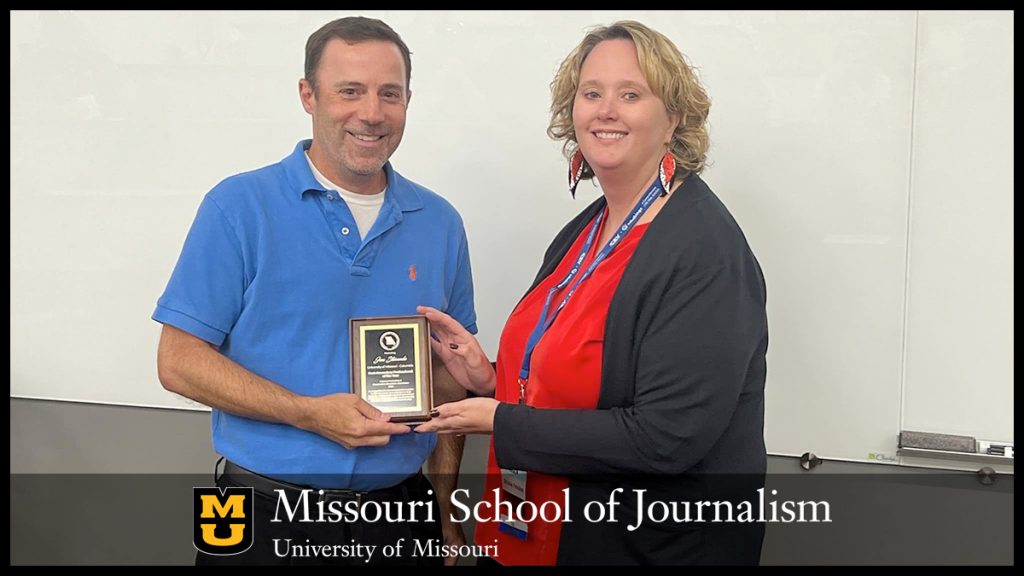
(545, 320)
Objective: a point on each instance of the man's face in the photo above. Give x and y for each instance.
(358, 111)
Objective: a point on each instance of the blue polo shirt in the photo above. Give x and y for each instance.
(272, 270)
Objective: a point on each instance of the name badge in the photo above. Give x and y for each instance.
(512, 526)
(513, 482)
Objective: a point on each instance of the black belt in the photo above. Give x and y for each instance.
(267, 486)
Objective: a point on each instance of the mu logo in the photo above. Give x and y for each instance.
(222, 521)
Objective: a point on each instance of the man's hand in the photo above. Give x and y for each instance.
(350, 421)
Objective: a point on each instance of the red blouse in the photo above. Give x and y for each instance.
(565, 372)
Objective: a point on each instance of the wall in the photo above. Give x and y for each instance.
(865, 154)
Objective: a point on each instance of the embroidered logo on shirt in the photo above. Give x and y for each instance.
(412, 273)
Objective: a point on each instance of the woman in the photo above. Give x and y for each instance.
(637, 359)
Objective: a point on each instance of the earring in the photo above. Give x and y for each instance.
(575, 171)
(666, 172)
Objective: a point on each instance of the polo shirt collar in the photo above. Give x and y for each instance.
(301, 179)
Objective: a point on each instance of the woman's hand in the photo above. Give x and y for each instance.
(460, 351)
(469, 416)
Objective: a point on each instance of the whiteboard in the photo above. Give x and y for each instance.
(829, 140)
(959, 361)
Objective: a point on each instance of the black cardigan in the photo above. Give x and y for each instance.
(681, 407)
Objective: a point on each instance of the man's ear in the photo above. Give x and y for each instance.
(408, 97)
(307, 95)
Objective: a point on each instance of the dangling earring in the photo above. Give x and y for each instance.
(575, 171)
(666, 171)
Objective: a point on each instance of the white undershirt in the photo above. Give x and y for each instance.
(364, 207)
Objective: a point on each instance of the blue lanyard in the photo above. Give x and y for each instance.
(545, 321)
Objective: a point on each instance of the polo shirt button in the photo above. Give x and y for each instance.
(344, 231)
(330, 196)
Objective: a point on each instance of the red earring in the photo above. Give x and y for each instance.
(666, 172)
(575, 171)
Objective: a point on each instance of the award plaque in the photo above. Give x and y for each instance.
(390, 366)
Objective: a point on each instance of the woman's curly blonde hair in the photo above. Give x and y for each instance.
(667, 73)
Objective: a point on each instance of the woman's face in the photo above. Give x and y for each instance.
(620, 123)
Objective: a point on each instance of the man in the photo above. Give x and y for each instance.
(256, 312)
